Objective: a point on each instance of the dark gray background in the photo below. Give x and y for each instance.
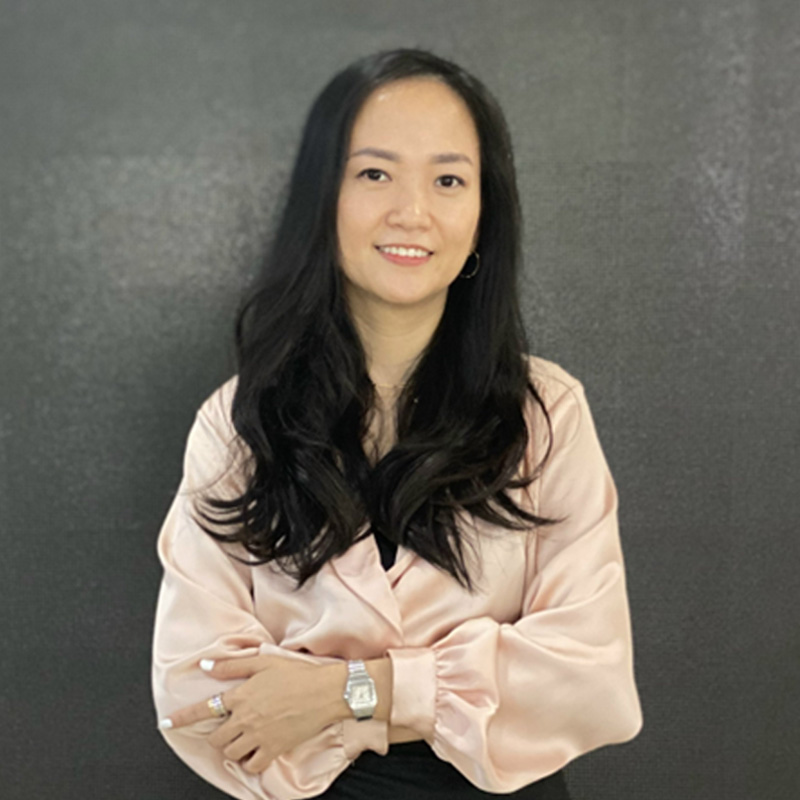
(144, 145)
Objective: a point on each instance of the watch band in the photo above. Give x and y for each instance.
(360, 692)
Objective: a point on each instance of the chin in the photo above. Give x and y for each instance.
(409, 298)
(410, 294)
(400, 294)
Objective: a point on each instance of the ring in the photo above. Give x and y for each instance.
(217, 706)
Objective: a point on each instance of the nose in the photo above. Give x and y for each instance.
(410, 208)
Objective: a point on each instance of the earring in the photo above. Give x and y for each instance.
(477, 266)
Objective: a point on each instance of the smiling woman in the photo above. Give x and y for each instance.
(393, 566)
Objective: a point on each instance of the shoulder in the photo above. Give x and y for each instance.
(552, 382)
(563, 397)
(213, 429)
(216, 408)
(215, 454)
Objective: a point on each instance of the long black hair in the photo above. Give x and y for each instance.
(303, 394)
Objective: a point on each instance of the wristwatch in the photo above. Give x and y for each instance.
(360, 692)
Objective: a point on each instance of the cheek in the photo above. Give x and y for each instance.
(352, 230)
(352, 216)
(462, 224)
(468, 232)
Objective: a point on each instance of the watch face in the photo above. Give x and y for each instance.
(362, 695)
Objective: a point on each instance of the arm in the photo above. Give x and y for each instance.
(508, 704)
(205, 610)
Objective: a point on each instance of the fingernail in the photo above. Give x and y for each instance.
(165, 724)
(207, 664)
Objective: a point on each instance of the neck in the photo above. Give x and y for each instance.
(394, 336)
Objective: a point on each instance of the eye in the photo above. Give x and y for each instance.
(372, 174)
(451, 181)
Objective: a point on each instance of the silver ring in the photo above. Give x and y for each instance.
(217, 706)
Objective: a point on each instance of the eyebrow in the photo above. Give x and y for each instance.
(441, 158)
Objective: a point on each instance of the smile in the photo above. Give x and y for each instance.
(405, 256)
(406, 252)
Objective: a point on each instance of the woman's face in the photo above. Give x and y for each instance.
(412, 180)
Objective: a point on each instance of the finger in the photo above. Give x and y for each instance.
(239, 748)
(228, 668)
(226, 733)
(190, 714)
(259, 762)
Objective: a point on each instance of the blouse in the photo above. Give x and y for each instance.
(507, 684)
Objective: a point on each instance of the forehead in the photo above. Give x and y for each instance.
(415, 113)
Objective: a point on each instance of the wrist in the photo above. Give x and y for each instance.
(380, 670)
(337, 708)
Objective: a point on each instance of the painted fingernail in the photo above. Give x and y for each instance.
(207, 664)
(165, 724)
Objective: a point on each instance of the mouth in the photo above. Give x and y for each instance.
(404, 256)
(404, 251)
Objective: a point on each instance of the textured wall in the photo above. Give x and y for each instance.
(142, 148)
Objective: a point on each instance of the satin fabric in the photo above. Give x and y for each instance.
(507, 685)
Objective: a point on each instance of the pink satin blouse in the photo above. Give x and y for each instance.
(508, 685)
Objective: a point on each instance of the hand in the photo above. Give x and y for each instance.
(283, 703)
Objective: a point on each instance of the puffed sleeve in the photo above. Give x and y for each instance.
(205, 609)
(508, 704)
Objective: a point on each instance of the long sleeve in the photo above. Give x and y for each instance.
(508, 704)
(205, 610)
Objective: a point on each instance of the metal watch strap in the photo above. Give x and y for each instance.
(360, 692)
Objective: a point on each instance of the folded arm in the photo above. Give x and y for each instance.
(509, 704)
(205, 610)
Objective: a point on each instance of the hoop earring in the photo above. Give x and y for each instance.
(477, 266)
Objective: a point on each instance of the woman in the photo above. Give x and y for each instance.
(395, 545)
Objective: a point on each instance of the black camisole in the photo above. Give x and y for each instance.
(412, 771)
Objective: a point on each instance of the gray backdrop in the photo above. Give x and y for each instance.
(143, 148)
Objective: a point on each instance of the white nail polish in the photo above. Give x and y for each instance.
(165, 724)
(207, 664)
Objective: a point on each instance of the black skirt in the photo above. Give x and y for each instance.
(412, 771)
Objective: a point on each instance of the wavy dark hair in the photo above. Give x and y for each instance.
(303, 396)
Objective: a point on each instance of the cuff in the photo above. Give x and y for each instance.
(414, 689)
(365, 734)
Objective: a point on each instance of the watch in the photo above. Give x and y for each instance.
(360, 692)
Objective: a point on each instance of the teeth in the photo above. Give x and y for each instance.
(408, 252)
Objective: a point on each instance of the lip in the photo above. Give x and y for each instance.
(404, 260)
